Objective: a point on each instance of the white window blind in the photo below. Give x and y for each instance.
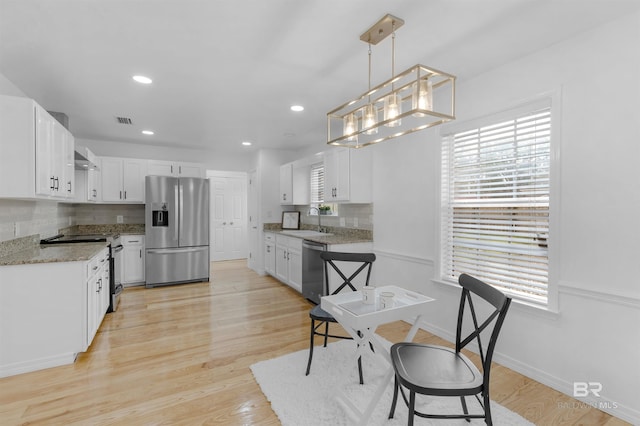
(317, 183)
(495, 200)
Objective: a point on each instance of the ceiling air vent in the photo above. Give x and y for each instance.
(124, 120)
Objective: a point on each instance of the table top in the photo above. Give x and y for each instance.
(348, 308)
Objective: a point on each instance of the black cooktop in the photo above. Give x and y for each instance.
(64, 239)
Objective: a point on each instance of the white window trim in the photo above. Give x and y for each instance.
(555, 96)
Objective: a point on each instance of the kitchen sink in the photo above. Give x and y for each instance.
(305, 233)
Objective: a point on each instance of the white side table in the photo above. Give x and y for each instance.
(355, 316)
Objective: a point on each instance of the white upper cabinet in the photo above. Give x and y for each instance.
(36, 152)
(176, 169)
(347, 175)
(88, 187)
(286, 184)
(301, 183)
(123, 179)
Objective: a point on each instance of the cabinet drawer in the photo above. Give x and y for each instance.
(132, 239)
(97, 262)
(93, 265)
(269, 237)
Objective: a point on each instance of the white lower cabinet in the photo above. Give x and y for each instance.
(97, 293)
(50, 312)
(132, 260)
(270, 253)
(288, 261)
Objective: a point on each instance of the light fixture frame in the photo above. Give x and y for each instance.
(443, 86)
(413, 117)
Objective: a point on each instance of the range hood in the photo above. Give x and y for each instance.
(85, 159)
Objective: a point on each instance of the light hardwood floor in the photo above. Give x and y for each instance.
(181, 355)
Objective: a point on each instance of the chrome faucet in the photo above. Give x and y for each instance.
(318, 213)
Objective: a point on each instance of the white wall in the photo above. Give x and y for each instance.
(8, 88)
(595, 335)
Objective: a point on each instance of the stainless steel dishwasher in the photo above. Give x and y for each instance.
(312, 270)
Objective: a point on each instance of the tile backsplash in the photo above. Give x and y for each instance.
(349, 216)
(89, 214)
(22, 218)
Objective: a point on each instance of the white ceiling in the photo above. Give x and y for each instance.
(225, 71)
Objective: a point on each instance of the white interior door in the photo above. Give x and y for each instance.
(228, 216)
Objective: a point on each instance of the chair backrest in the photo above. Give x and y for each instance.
(331, 257)
(500, 303)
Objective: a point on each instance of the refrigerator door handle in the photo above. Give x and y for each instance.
(173, 251)
(181, 210)
(175, 227)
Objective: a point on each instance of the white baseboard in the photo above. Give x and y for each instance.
(36, 364)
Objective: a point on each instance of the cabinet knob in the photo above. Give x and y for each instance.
(230, 223)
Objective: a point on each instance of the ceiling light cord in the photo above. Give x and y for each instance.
(393, 53)
(369, 73)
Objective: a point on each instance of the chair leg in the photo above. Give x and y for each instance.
(464, 407)
(412, 407)
(326, 333)
(395, 397)
(487, 409)
(313, 328)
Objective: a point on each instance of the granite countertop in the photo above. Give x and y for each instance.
(105, 229)
(334, 235)
(336, 239)
(75, 252)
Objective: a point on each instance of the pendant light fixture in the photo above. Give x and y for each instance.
(426, 95)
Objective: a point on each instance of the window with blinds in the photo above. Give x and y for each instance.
(495, 199)
(317, 183)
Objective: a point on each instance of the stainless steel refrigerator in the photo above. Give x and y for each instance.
(176, 230)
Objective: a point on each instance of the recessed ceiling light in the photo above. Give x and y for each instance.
(246, 143)
(142, 79)
(297, 108)
(147, 132)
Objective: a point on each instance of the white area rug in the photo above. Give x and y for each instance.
(311, 400)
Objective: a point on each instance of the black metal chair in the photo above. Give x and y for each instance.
(441, 371)
(320, 316)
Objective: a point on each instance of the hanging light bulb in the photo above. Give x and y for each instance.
(350, 126)
(370, 113)
(422, 97)
(370, 119)
(392, 109)
(392, 103)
